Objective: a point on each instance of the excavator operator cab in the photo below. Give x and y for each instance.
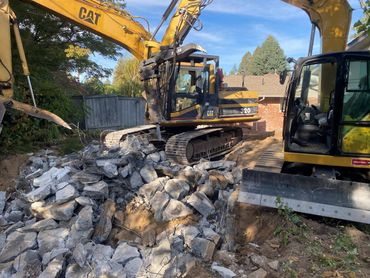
(192, 81)
(330, 110)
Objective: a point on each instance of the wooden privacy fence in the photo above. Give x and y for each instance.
(111, 111)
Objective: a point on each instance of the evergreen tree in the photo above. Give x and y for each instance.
(269, 58)
(234, 70)
(245, 66)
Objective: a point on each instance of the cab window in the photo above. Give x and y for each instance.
(356, 101)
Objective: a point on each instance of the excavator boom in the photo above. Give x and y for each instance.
(332, 17)
(104, 20)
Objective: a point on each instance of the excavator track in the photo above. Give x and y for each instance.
(113, 138)
(189, 147)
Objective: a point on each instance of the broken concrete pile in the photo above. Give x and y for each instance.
(64, 218)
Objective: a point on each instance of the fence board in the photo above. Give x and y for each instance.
(113, 112)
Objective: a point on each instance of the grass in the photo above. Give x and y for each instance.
(70, 145)
(337, 253)
(293, 225)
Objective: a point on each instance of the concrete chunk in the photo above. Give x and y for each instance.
(28, 259)
(49, 256)
(52, 177)
(135, 180)
(110, 170)
(211, 235)
(104, 226)
(53, 269)
(177, 188)
(258, 260)
(175, 209)
(65, 194)
(97, 191)
(39, 194)
(158, 203)
(148, 190)
(86, 178)
(148, 173)
(223, 271)
(80, 255)
(203, 248)
(132, 268)
(85, 219)
(124, 253)
(259, 273)
(45, 224)
(200, 202)
(62, 212)
(2, 201)
(52, 239)
(15, 244)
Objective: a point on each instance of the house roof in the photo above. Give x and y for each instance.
(361, 42)
(267, 85)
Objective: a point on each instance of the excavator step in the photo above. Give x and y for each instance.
(339, 199)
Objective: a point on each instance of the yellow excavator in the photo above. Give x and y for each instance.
(324, 168)
(183, 89)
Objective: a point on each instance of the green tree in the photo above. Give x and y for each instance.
(363, 25)
(246, 64)
(55, 49)
(234, 70)
(126, 78)
(269, 58)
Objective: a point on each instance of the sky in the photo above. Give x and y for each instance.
(233, 27)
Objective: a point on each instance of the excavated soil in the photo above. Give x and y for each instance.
(9, 170)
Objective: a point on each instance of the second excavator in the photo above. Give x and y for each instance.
(324, 165)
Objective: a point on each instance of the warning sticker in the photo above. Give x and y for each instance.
(360, 162)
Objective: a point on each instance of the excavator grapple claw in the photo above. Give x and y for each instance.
(30, 110)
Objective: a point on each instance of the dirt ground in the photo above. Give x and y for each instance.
(305, 246)
(9, 170)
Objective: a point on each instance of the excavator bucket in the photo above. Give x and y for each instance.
(339, 199)
(30, 110)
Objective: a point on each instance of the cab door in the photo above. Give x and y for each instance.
(354, 127)
(189, 93)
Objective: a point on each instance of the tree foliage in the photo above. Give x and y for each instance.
(269, 58)
(126, 78)
(363, 25)
(245, 66)
(234, 70)
(55, 49)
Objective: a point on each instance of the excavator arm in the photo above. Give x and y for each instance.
(332, 17)
(185, 17)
